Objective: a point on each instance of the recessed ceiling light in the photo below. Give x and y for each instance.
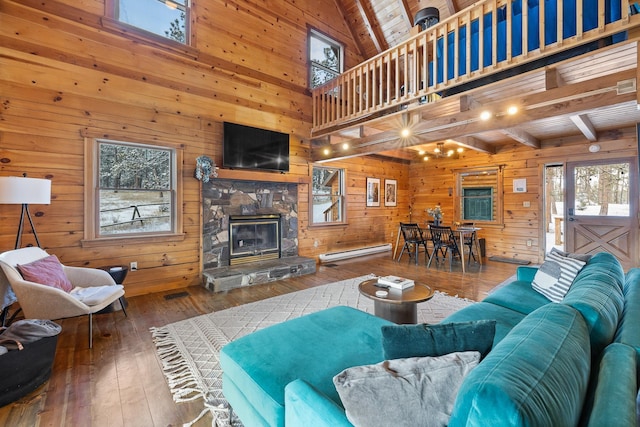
(345, 146)
(485, 115)
(512, 110)
(405, 132)
(326, 152)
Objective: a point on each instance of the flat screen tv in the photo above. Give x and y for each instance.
(246, 147)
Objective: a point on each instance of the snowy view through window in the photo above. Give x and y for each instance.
(327, 195)
(135, 189)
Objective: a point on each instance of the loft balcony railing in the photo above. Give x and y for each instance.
(466, 47)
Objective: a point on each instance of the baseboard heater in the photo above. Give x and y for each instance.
(352, 253)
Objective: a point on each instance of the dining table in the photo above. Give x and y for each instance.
(461, 232)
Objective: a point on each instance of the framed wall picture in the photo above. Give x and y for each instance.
(390, 192)
(373, 191)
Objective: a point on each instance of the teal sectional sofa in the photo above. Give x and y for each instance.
(552, 364)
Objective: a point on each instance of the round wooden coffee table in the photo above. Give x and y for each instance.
(398, 306)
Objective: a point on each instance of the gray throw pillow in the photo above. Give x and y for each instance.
(418, 391)
(421, 340)
(555, 276)
(581, 257)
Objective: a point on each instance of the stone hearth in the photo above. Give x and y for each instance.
(227, 278)
(223, 198)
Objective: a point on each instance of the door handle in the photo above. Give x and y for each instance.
(572, 219)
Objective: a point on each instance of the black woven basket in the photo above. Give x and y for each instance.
(22, 371)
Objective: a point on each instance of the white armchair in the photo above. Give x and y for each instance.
(93, 289)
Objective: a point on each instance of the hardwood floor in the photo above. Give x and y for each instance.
(120, 382)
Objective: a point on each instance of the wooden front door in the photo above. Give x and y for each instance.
(602, 208)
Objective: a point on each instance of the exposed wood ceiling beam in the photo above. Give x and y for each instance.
(400, 154)
(354, 34)
(552, 78)
(522, 137)
(475, 144)
(467, 102)
(563, 101)
(583, 123)
(370, 21)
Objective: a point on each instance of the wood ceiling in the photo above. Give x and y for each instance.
(377, 25)
(555, 101)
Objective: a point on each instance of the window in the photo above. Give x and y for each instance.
(479, 195)
(327, 196)
(477, 204)
(602, 190)
(325, 59)
(134, 192)
(166, 18)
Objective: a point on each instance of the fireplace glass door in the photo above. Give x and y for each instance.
(253, 240)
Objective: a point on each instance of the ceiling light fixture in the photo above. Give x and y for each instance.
(512, 110)
(441, 152)
(485, 115)
(345, 146)
(405, 133)
(594, 148)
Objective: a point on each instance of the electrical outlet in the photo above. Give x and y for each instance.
(529, 242)
(133, 266)
(526, 204)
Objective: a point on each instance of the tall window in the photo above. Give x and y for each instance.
(167, 18)
(327, 196)
(135, 189)
(326, 58)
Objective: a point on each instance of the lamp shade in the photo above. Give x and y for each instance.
(16, 190)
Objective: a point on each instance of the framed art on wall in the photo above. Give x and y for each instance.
(373, 191)
(390, 192)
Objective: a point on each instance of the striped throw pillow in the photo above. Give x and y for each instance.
(555, 276)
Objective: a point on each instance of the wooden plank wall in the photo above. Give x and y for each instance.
(366, 226)
(430, 183)
(67, 72)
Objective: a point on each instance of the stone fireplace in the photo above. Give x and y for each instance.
(250, 233)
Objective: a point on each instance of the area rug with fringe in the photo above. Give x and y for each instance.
(188, 349)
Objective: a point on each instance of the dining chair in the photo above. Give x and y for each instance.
(413, 239)
(445, 243)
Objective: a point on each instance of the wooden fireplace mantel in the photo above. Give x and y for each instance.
(261, 176)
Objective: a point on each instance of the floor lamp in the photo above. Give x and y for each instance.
(24, 191)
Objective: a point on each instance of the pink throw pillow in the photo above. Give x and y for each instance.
(46, 271)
